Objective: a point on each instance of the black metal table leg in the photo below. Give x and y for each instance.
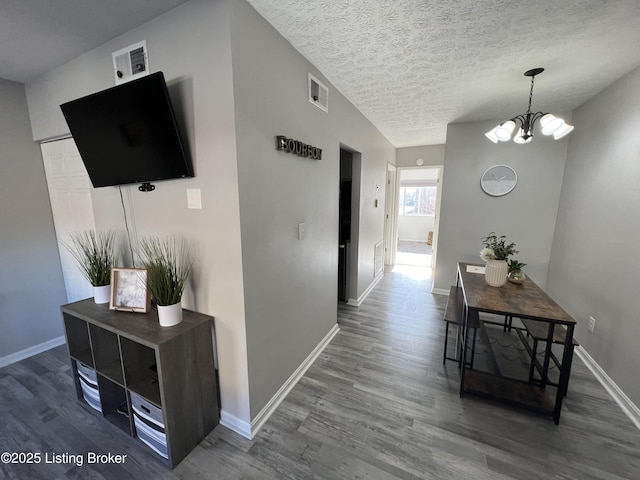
(547, 357)
(565, 370)
(534, 350)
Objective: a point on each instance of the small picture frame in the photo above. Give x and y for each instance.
(129, 291)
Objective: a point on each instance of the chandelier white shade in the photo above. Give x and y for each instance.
(549, 123)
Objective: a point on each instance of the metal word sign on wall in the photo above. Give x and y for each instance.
(296, 147)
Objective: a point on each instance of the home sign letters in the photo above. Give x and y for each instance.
(296, 147)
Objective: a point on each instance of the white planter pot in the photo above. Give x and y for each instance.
(170, 315)
(102, 294)
(495, 273)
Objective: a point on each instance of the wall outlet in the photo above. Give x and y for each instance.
(592, 324)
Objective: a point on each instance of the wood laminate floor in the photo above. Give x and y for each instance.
(376, 404)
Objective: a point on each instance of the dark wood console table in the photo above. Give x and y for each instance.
(528, 302)
(124, 362)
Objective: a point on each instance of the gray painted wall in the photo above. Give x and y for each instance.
(31, 284)
(291, 284)
(191, 44)
(430, 154)
(527, 215)
(288, 287)
(593, 268)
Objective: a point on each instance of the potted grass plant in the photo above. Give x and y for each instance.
(169, 263)
(95, 254)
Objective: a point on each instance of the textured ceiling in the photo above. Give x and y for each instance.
(413, 66)
(410, 66)
(38, 35)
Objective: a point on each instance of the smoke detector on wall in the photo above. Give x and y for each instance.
(318, 93)
(131, 62)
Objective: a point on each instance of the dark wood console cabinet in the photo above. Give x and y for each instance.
(170, 369)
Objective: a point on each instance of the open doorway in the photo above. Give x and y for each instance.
(344, 228)
(348, 218)
(417, 221)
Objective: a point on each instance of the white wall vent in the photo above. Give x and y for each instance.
(378, 258)
(131, 62)
(318, 93)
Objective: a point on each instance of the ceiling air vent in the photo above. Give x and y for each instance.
(318, 93)
(131, 62)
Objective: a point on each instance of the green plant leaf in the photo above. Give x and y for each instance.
(169, 263)
(499, 246)
(95, 254)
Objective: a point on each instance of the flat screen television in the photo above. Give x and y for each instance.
(128, 134)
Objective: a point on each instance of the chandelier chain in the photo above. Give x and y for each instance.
(533, 77)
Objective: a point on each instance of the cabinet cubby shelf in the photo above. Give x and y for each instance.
(170, 367)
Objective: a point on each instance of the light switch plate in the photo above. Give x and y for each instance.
(302, 231)
(194, 198)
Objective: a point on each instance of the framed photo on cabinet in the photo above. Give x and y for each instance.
(129, 290)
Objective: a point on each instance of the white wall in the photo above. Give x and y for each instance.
(593, 268)
(31, 284)
(527, 215)
(415, 228)
(191, 44)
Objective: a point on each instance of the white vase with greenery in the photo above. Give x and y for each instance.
(95, 254)
(168, 263)
(495, 252)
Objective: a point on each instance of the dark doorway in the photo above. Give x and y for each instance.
(344, 233)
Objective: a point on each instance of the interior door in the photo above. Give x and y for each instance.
(70, 196)
(390, 232)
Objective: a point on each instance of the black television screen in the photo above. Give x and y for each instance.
(128, 133)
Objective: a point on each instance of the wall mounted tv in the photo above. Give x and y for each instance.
(128, 134)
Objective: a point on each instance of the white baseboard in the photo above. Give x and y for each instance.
(357, 302)
(31, 351)
(234, 423)
(270, 407)
(439, 291)
(625, 403)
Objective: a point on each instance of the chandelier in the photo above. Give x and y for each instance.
(550, 124)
